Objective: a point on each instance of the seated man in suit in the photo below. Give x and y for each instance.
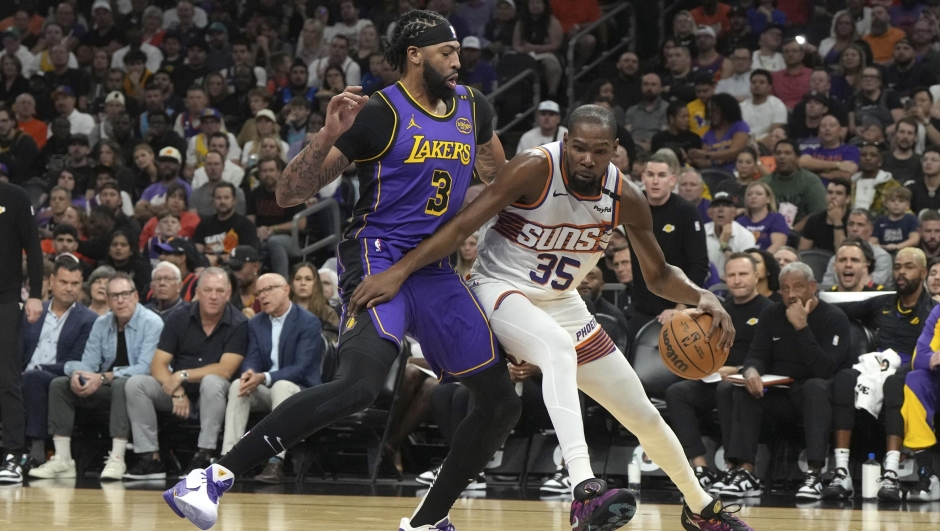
(284, 353)
(59, 336)
(802, 338)
(121, 344)
(205, 343)
(691, 401)
(898, 321)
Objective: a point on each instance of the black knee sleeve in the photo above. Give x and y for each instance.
(893, 400)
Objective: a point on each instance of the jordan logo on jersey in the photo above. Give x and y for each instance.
(412, 123)
(438, 149)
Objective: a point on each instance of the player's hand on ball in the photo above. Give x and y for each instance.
(709, 303)
(374, 290)
(343, 108)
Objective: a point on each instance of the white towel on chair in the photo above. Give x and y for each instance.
(874, 369)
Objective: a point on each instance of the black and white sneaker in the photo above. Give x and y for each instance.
(428, 477)
(723, 480)
(706, 478)
(12, 471)
(560, 483)
(840, 488)
(146, 468)
(478, 483)
(890, 490)
(927, 488)
(744, 485)
(811, 489)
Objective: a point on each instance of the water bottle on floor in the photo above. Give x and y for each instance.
(871, 471)
(633, 476)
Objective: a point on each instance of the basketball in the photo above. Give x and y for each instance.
(685, 350)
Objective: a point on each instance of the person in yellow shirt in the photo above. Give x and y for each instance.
(704, 89)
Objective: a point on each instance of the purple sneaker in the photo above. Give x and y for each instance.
(597, 508)
(443, 525)
(715, 517)
(196, 497)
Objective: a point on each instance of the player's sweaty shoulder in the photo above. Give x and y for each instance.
(529, 173)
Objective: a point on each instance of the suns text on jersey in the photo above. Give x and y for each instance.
(560, 238)
(424, 149)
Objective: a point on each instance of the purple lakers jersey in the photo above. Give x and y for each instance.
(419, 180)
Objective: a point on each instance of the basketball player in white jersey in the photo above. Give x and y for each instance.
(548, 217)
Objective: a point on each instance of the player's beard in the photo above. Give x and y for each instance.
(584, 188)
(436, 83)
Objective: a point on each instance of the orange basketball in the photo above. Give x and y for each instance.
(685, 350)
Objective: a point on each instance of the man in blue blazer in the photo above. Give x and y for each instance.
(284, 352)
(59, 336)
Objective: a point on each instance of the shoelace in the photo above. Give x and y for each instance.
(559, 477)
(811, 480)
(887, 480)
(839, 479)
(740, 478)
(726, 514)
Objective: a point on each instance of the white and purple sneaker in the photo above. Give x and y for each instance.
(443, 525)
(196, 497)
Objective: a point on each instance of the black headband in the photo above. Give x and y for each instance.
(434, 35)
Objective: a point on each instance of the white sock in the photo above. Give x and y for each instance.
(118, 446)
(63, 447)
(893, 461)
(579, 469)
(612, 382)
(842, 458)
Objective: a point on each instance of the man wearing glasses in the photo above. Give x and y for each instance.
(165, 284)
(205, 344)
(121, 344)
(245, 263)
(284, 352)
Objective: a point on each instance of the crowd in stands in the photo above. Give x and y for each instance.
(802, 142)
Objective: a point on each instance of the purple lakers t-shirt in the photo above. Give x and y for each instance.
(155, 194)
(837, 154)
(711, 143)
(774, 222)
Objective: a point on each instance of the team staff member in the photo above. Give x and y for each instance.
(20, 233)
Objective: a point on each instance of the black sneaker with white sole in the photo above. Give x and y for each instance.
(927, 488)
(478, 483)
(811, 489)
(428, 477)
(146, 468)
(12, 470)
(560, 483)
(744, 485)
(840, 488)
(723, 480)
(706, 478)
(890, 490)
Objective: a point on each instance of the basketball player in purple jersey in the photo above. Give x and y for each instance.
(557, 205)
(416, 145)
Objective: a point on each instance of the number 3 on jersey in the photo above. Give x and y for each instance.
(437, 204)
(548, 265)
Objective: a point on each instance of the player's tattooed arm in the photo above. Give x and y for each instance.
(490, 158)
(315, 167)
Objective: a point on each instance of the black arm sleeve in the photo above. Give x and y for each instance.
(29, 235)
(370, 133)
(484, 116)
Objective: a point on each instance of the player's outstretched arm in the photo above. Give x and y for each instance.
(490, 159)
(521, 178)
(320, 163)
(663, 279)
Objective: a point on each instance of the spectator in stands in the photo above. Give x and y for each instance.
(349, 24)
(792, 82)
(676, 225)
(548, 127)
(12, 46)
(339, 55)
(165, 286)
(844, 34)
(898, 321)
(153, 199)
(307, 292)
(218, 235)
(176, 204)
(266, 125)
(740, 36)
(746, 168)
(924, 193)
(57, 337)
(96, 287)
(26, 121)
(591, 288)
(683, 30)
(211, 123)
(474, 71)
(539, 34)
(135, 42)
(713, 14)
(820, 83)
(295, 125)
(832, 159)
(896, 228)
(724, 235)
(497, 34)
(187, 124)
(202, 366)
(12, 81)
(691, 187)
(768, 56)
(873, 100)
(768, 274)
(763, 112)
(726, 137)
(854, 264)
(691, 401)
(871, 183)
(627, 81)
(231, 171)
(906, 73)
(677, 135)
(245, 264)
(786, 255)
(903, 164)
(54, 214)
(283, 358)
(297, 86)
(761, 218)
(861, 226)
(104, 34)
(121, 344)
(804, 129)
(929, 230)
(274, 222)
(679, 82)
(859, 13)
(123, 256)
(705, 85)
(160, 136)
(202, 202)
(763, 13)
(800, 339)
(18, 150)
(882, 36)
(708, 58)
(738, 84)
(193, 71)
(827, 229)
(64, 98)
(168, 227)
(799, 192)
(648, 117)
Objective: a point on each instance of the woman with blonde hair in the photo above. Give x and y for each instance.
(268, 146)
(761, 217)
(265, 126)
(306, 291)
(848, 76)
(310, 44)
(367, 44)
(258, 99)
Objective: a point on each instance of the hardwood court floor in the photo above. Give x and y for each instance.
(49, 507)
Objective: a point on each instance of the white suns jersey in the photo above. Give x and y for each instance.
(549, 247)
